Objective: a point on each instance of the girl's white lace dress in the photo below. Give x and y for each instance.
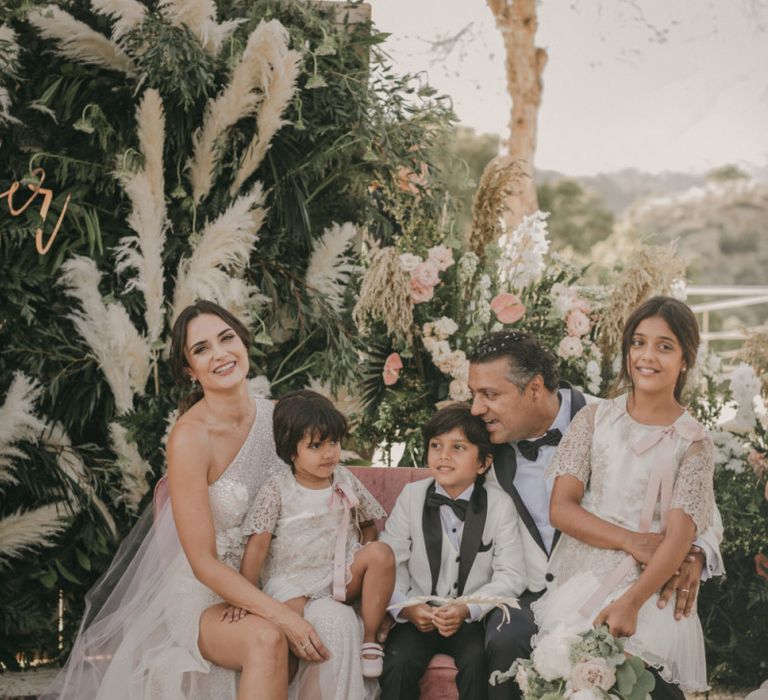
(300, 562)
(614, 456)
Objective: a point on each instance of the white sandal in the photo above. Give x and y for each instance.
(372, 668)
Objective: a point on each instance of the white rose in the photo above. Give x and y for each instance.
(551, 657)
(408, 261)
(445, 327)
(442, 256)
(459, 391)
(439, 350)
(592, 673)
(569, 347)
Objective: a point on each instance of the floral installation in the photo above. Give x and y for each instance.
(589, 665)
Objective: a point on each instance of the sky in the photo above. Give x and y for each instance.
(651, 84)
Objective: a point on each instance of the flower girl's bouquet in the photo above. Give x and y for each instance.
(586, 666)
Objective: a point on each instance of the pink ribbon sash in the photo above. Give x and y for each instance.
(660, 485)
(342, 493)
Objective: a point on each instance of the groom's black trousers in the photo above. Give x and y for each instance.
(409, 651)
(513, 641)
(509, 642)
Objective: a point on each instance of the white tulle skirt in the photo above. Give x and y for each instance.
(674, 647)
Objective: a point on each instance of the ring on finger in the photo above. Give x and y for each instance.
(685, 590)
(306, 644)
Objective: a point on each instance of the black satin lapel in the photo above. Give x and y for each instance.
(506, 458)
(433, 537)
(555, 538)
(472, 537)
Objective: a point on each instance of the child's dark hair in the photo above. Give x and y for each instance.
(301, 413)
(458, 415)
(681, 321)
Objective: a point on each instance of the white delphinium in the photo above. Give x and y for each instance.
(126, 14)
(133, 468)
(70, 464)
(9, 57)
(25, 530)
(745, 386)
(522, 252)
(123, 354)
(145, 189)
(552, 655)
(221, 255)
(76, 40)
(730, 451)
(330, 267)
(259, 386)
(18, 422)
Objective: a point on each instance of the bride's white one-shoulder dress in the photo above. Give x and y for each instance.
(141, 644)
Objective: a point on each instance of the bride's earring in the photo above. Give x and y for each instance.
(194, 383)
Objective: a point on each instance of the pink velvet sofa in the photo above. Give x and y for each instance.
(439, 681)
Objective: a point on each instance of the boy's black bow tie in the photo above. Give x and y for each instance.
(530, 448)
(459, 506)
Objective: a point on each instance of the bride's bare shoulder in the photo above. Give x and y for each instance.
(189, 437)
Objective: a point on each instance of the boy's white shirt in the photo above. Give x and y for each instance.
(498, 572)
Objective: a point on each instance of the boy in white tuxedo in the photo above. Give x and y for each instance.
(452, 536)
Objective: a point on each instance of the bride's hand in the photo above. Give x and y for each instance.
(302, 637)
(620, 616)
(642, 545)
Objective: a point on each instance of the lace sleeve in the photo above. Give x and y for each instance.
(369, 509)
(574, 454)
(263, 514)
(694, 489)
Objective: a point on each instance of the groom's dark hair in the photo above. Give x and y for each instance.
(526, 354)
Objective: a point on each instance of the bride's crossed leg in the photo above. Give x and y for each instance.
(255, 647)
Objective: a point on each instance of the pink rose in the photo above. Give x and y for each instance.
(426, 274)
(592, 673)
(392, 368)
(507, 308)
(421, 292)
(758, 462)
(570, 347)
(577, 323)
(441, 256)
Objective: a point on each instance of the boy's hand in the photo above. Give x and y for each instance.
(232, 614)
(420, 615)
(448, 618)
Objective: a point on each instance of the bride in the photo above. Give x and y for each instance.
(155, 623)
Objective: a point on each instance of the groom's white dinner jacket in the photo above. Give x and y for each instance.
(525, 483)
(488, 562)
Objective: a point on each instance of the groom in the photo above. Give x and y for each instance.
(516, 390)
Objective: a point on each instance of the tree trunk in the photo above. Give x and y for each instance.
(517, 22)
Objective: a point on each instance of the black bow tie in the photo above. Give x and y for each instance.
(530, 448)
(459, 506)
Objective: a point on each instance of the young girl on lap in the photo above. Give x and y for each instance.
(311, 528)
(633, 486)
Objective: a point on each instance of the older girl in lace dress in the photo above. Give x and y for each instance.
(312, 537)
(633, 486)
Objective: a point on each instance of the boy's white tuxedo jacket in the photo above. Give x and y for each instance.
(498, 565)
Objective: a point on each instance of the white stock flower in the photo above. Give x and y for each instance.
(459, 391)
(522, 252)
(445, 327)
(593, 376)
(408, 261)
(552, 655)
(592, 673)
(440, 349)
(745, 386)
(679, 289)
(570, 347)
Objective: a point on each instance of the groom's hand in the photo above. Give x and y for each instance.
(685, 583)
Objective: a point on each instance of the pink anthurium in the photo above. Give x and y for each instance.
(392, 368)
(507, 308)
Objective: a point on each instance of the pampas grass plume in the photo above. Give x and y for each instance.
(18, 422)
(329, 266)
(25, 530)
(78, 41)
(127, 14)
(133, 467)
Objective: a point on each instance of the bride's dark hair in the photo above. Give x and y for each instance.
(179, 364)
